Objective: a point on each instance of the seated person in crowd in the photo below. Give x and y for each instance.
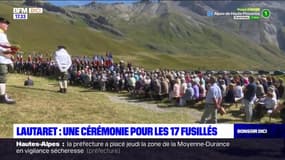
(268, 103)
(202, 91)
(189, 93)
(281, 108)
(29, 82)
(176, 92)
(164, 87)
(196, 90)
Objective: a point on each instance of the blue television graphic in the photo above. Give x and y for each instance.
(210, 13)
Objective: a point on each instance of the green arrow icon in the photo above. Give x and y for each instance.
(266, 13)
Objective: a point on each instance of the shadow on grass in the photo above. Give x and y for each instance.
(198, 106)
(228, 120)
(90, 90)
(32, 88)
(47, 77)
(236, 113)
(168, 104)
(139, 99)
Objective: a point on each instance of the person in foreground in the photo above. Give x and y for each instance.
(213, 102)
(63, 62)
(5, 59)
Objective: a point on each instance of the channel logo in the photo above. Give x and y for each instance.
(22, 13)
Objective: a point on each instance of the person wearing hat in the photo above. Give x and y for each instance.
(63, 62)
(5, 59)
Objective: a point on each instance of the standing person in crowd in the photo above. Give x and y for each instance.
(238, 92)
(259, 90)
(5, 59)
(223, 87)
(230, 95)
(63, 62)
(269, 81)
(249, 98)
(264, 84)
(213, 102)
(245, 81)
(280, 87)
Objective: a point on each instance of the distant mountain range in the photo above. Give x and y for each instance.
(168, 34)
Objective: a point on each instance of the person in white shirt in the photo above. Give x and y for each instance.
(238, 92)
(267, 103)
(213, 102)
(63, 62)
(5, 55)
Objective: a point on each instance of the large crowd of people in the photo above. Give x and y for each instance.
(180, 87)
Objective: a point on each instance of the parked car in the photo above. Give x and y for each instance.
(276, 73)
(260, 72)
(234, 72)
(247, 72)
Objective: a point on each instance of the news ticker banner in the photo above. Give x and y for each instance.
(148, 131)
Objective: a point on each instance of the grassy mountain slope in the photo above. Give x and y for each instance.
(170, 34)
(167, 41)
(43, 32)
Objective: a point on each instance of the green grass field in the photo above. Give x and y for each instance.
(42, 104)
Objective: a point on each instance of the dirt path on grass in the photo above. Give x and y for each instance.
(136, 102)
(148, 105)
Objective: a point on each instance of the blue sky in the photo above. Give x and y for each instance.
(83, 2)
